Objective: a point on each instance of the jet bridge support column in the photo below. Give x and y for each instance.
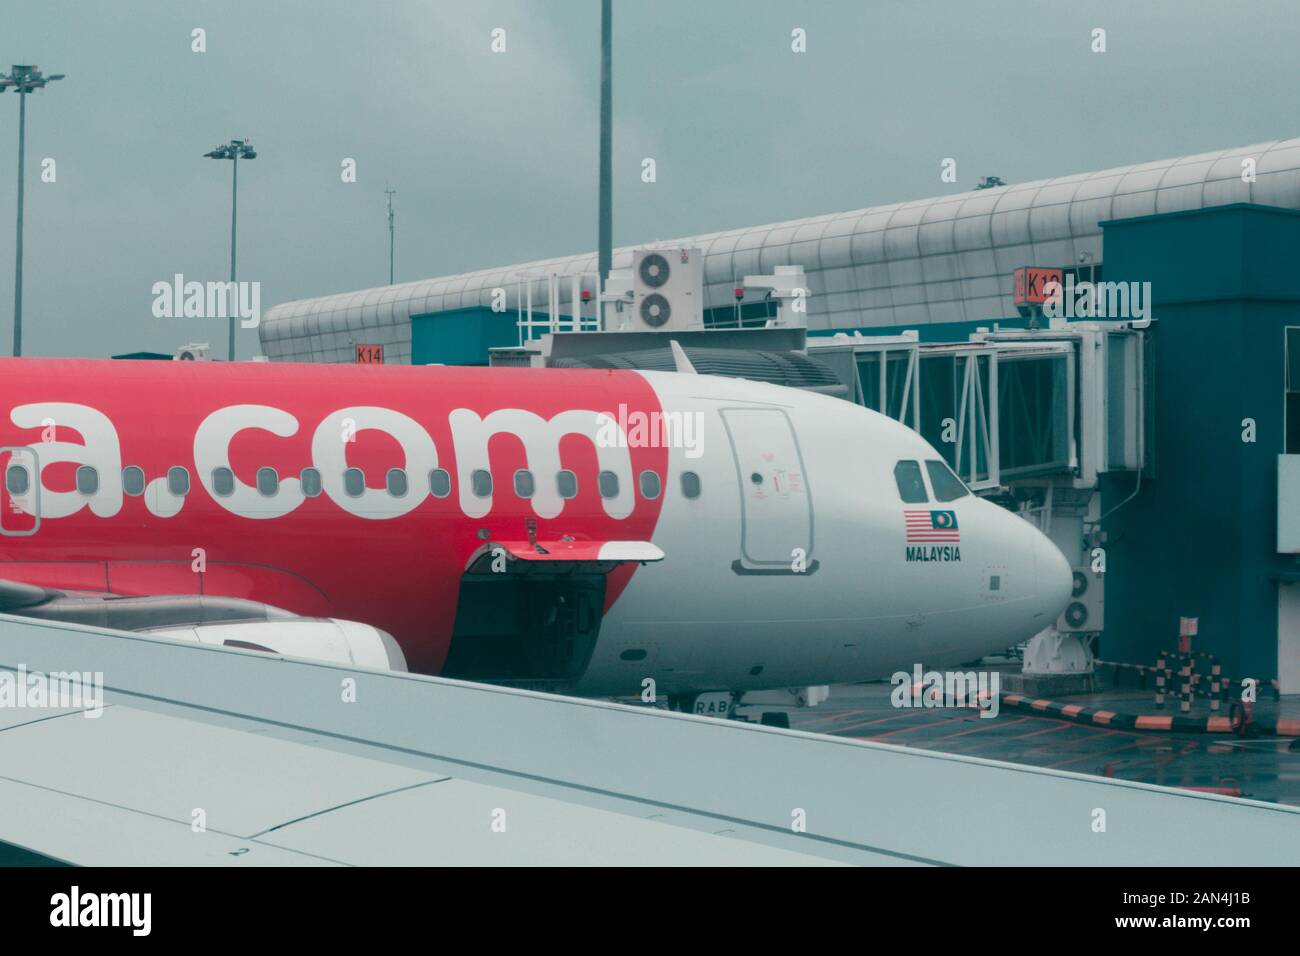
(1059, 659)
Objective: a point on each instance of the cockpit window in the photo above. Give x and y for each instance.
(911, 487)
(946, 485)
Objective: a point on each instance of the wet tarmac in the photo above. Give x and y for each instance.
(1260, 768)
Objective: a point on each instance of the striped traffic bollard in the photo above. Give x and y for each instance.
(1161, 672)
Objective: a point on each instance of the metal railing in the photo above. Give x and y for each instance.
(533, 324)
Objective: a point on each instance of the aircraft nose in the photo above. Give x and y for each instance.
(1053, 574)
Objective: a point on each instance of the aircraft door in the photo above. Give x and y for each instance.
(776, 503)
(20, 492)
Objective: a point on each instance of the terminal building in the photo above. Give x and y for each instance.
(1160, 448)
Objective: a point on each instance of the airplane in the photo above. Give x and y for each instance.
(595, 532)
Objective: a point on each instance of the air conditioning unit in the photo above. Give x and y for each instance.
(1085, 614)
(667, 290)
(194, 352)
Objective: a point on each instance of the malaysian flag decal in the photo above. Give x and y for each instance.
(931, 527)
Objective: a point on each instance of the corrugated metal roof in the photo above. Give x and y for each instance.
(945, 259)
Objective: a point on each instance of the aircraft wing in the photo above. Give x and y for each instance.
(317, 771)
(213, 755)
(139, 787)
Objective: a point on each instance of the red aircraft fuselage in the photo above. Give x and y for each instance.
(391, 561)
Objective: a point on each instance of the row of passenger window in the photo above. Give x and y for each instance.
(911, 486)
(396, 482)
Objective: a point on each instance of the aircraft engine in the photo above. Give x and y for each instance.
(331, 640)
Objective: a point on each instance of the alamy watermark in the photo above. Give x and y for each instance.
(635, 429)
(1096, 300)
(947, 689)
(74, 908)
(35, 690)
(179, 299)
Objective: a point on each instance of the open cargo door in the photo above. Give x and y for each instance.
(530, 611)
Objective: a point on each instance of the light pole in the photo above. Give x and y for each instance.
(390, 193)
(23, 79)
(235, 150)
(605, 216)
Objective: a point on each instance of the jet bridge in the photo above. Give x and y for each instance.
(1033, 417)
(1064, 402)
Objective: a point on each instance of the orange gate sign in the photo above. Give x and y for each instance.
(1031, 283)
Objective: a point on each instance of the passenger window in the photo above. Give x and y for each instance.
(17, 480)
(439, 483)
(566, 483)
(690, 484)
(911, 486)
(608, 484)
(480, 482)
(310, 481)
(650, 486)
(178, 481)
(223, 482)
(133, 480)
(354, 482)
(524, 485)
(87, 480)
(268, 482)
(397, 483)
(946, 485)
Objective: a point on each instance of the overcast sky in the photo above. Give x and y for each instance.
(493, 156)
